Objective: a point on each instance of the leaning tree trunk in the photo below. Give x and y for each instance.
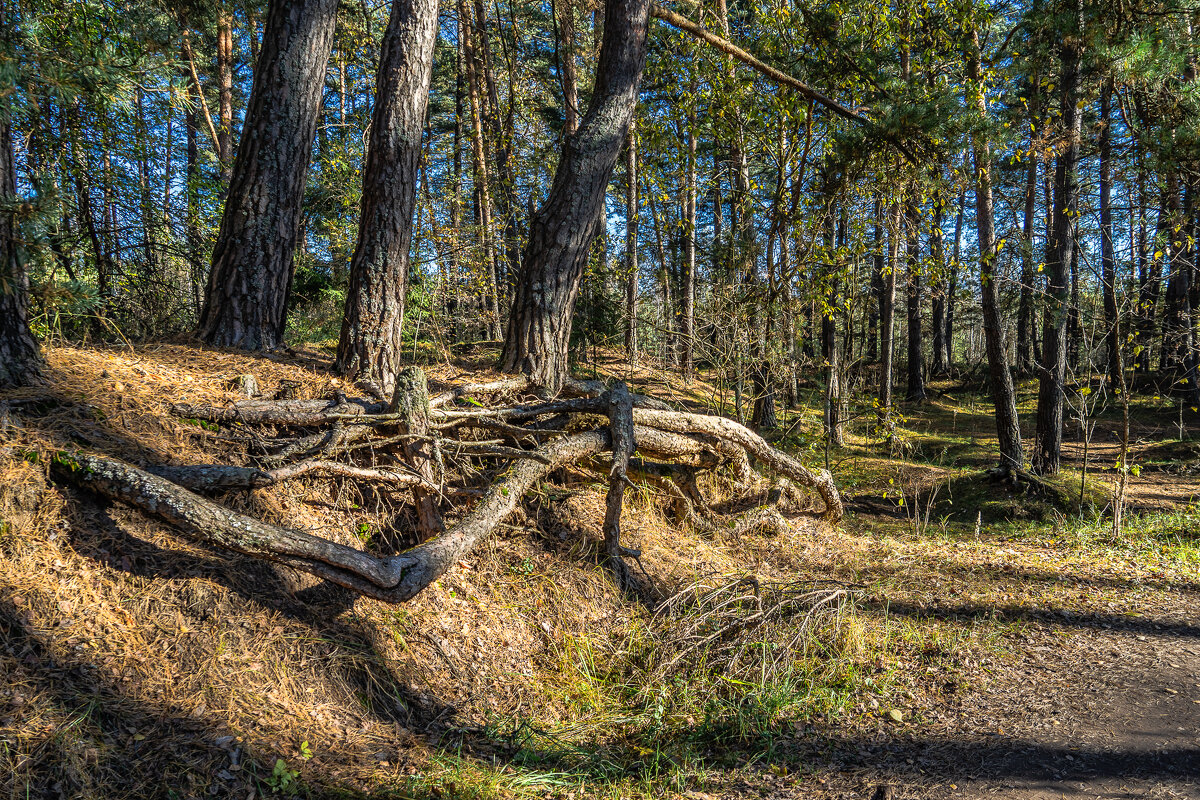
(1048, 434)
(20, 360)
(539, 327)
(1004, 397)
(251, 276)
(369, 347)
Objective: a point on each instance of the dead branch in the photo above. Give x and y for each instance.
(392, 579)
(751, 442)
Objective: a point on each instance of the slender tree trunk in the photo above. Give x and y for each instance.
(952, 285)
(1025, 305)
(937, 257)
(832, 416)
(631, 241)
(916, 343)
(1048, 435)
(1108, 261)
(887, 324)
(1008, 430)
(483, 197)
(687, 328)
(564, 19)
(369, 347)
(20, 359)
(225, 94)
(246, 302)
(666, 292)
(539, 327)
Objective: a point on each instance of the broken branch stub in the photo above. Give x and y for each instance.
(410, 404)
(620, 426)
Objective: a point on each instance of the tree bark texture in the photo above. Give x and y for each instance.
(631, 243)
(539, 327)
(916, 342)
(20, 359)
(1048, 433)
(246, 301)
(369, 347)
(1108, 260)
(1004, 398)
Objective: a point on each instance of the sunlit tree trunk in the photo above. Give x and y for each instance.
(246, 302)
(1048, 434)
(562, 231)
(1004, 398)
(20, 359)
(369, 347)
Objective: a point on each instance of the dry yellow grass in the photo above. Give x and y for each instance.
(138, 659)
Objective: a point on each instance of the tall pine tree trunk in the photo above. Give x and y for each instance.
(1048, 434)
(369, 347)
(631, 242)
(225, 94)
(937, 257)
(687, 327)
(1025, 305)
(539, 328)
(20, 359)
(1108, 260)
(916, 343)
(246, 302)
(1004, 398)
(887, 324)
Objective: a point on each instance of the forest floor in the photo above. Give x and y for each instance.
(998, 643)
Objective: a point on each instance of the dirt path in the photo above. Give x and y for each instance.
(1096, 714)
(1126, 723)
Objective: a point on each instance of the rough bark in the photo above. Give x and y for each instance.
(1108, 261)
(246, 301)
(369, 347)
(539, 327)
(631, 243)
(620, 421)
(411, 404)
(1048, 433)
(687, 328)
(1004, 400)
(915, 363)
(20, 359)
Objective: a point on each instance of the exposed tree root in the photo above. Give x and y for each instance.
(434, 449)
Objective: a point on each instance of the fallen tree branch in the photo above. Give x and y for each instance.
(752, 443)
(215, 477)
(392, 579)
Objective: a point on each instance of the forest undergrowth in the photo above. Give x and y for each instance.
(136, 663)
